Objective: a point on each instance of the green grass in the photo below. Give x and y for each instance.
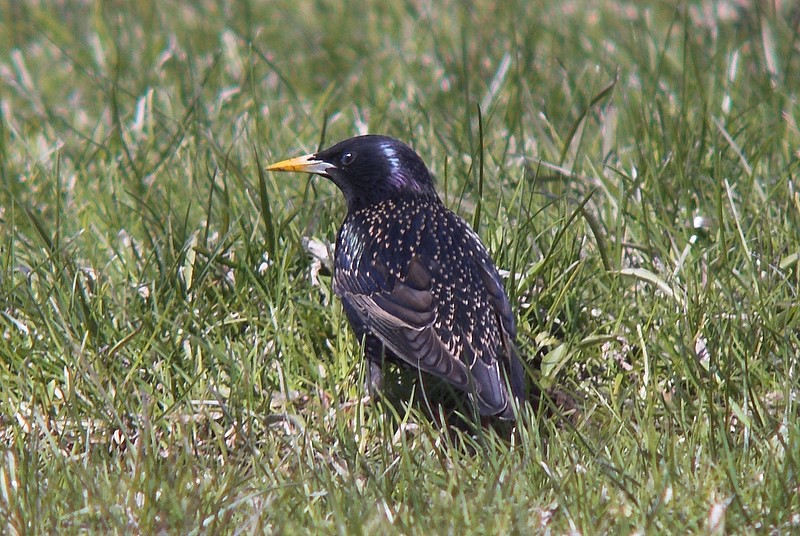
(167, 362)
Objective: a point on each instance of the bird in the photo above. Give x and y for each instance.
(417, 285)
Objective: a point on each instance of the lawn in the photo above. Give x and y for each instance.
(173, 358)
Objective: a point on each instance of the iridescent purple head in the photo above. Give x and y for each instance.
(367, 169)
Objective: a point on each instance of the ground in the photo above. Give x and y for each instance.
(172, 356)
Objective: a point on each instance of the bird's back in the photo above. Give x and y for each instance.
(415, 275)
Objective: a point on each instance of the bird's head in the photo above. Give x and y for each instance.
(367, 169)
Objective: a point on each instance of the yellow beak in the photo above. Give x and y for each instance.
(308, 164)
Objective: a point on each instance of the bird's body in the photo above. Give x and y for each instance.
(417, 284)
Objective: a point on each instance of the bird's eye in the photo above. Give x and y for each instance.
(347, 158)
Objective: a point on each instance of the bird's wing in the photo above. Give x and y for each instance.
(507, 353)
(401, 312)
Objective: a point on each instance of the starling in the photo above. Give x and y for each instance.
(417, 285)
